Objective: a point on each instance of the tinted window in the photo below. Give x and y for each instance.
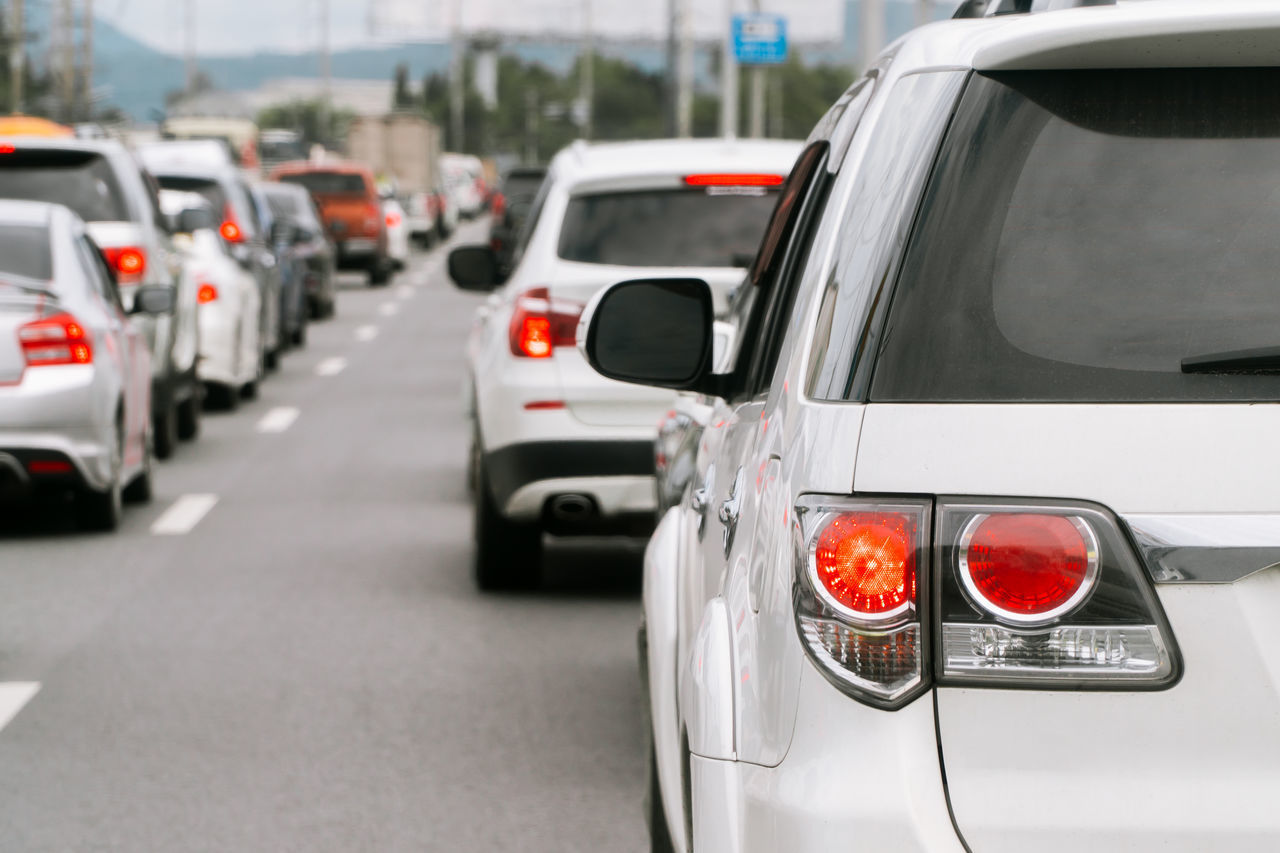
(81, 180)
(328, 183)
(294, 207)
(712, 227)
(24, 250)
(521, 186)
(1085, 232)
(210, 191)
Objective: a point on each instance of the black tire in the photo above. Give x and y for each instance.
(271, 359)
(300, 334)
(139, 491)
(102, 511)
(164, 427)
(189, 416)
(508, 554)
(380, 274)
(223, 398)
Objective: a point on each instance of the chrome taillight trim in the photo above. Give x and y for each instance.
(1199, 548)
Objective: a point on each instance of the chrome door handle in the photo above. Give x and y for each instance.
(730, 510)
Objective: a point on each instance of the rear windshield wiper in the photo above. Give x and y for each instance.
(1259, 360)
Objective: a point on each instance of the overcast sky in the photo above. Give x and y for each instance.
(243, 26)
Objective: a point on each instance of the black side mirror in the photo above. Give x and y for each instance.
(153, 299)
(193, 219)
(474, 268)
(654, 332)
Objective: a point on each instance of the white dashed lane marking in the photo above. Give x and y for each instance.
(389, 309)
(14, 696)
(331, 366)
(278, 419)
(366, 333)
(184, 515)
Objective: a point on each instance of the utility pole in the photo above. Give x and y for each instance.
(757, 93)
(728, 80)
(684, 70)
(17, 56)
(587, 95)
(63, 47)
(669, 107)
(189, 43)
(326, 76)
(530, 126)
(924, 12)
(86, 61)
(457, 90)
(873, 31)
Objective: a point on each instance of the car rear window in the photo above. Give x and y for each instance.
(701, 227)
(521, 187)
(24, 251)
(328, 183)
(81, 180)
(1086, 231)
(210, 191)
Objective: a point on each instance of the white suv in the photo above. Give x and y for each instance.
(982, 547)
(557, 447)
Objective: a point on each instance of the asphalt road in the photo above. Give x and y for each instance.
(295, 658)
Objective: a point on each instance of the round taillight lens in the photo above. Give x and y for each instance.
(231, 232)
(1028, 568)
(866, 562)
(207, 293)
(131, 262)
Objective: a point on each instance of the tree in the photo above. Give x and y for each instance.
(306, 118)
(403, 98)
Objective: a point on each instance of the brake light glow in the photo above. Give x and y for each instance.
(543, 405)
(59, 339)
(129, 262)
(49, 466)
(230, 228)
(733, 180)
(206, 294)
(393, 219)
(7, 148)
(539, 324)
(866, 561)
(1026, 567)
(498, 206)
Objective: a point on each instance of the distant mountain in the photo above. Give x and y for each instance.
(136, 77)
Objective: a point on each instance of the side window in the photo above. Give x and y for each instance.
(96, 271)
(250, 207)
(768, 282)
(872, 239)
(531, 222)
(153, 202)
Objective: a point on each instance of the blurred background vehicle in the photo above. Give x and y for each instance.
(75, 374)
(397, 232)
(464, 181)
(292, 313)
(557, 447)
(509, 209)
(293, 204)
(446, 209)
(232, 354)
(403, 151)
(351, 210)
(102, 183)
(226, 190)
(279, 145)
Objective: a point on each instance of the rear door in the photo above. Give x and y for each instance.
(1085, 327)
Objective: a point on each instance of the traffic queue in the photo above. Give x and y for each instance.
(143, 285)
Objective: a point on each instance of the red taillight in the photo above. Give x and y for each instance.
(543, 405)
(231, 232)
(499, 205)
(733, 180)
(49, 466)
(540, 324)
(1027, 567)
(59, 339)
(7, 148)
(206, 294)
(129, 262)
(867, 561)
(393, 219)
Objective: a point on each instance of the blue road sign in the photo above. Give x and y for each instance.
(760, 39)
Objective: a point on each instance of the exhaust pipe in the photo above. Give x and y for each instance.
(573, 509)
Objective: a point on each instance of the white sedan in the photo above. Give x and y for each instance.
(397, 232)
(231, 352)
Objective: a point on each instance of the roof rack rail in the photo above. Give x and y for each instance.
(992, 8)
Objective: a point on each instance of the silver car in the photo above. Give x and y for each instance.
(104, 185)
(75, 370)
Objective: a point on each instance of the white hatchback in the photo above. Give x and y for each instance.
(557, 447)
(982, 550)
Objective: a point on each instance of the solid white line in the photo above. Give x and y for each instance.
(389, 309)
(14, 695)
(366, 333)
(184, 515)
(331, 366)
(278, 419)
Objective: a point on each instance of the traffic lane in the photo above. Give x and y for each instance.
(312, 669)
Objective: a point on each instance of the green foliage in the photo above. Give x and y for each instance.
(307, 118)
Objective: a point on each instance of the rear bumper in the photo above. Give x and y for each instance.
(617, 475)
(89, 455)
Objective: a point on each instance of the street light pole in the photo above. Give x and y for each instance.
(757, 93)
(326, 76)
(729, 80)
(17, 56)
(588, 93)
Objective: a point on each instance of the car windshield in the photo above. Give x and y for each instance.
(81, 180)
(24, 252)
(328, 183)
(1084, 232)
(711, 227)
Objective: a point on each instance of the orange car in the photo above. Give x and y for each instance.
(347, 197)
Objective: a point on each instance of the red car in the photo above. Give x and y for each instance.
(347, 197)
